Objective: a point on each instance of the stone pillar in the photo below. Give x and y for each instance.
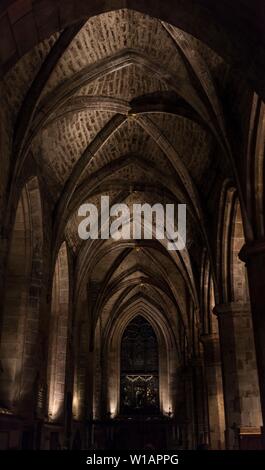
(253, 254)
(200, 402)
(3, 257)
(213, 372)
(196, 418)
(240, 381)
(189, 429)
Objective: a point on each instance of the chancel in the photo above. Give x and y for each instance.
(112, 343)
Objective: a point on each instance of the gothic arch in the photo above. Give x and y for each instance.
(168, 362)
(231, 272)
(255, 167)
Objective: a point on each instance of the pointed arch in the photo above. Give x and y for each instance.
(255, 167)
(231, 271)
(168, 361)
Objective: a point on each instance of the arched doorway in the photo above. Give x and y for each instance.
(139, 369)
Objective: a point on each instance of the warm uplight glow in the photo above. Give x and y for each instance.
(167, 407)
(113, 408)
(75, 406)
(55, 410)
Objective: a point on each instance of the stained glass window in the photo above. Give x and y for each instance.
(139, 369)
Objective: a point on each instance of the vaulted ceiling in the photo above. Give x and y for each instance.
(132, 107)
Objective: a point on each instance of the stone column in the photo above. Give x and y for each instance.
(200, 402)
(213, 372)
(189, 440)
(3, 257)
(240, 381)
(196, 419)
(253, 254)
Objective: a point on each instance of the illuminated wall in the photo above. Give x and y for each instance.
(59, 333)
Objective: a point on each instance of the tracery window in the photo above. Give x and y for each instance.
(139, 369)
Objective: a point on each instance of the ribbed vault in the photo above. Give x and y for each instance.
(130, 106)
(124, 105)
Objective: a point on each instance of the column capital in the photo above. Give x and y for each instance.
(232, 308)
(252, 248)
